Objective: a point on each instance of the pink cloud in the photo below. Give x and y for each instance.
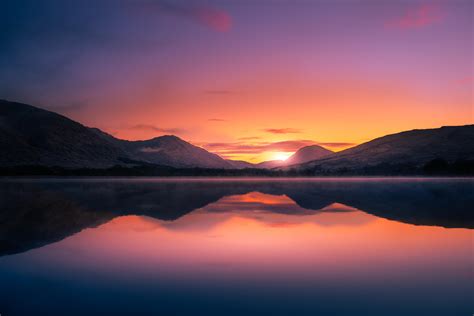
(210, 17)
(256, 148)
(421, 16)
(216, 19)
(237, 148)
(286, 130)
(152, 128)
(249, 138)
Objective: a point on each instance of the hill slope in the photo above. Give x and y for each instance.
(270, 164)
(172, 151)
(308, 153)
(240, 164)
(302, 155)
(411, 149)
(33, 136)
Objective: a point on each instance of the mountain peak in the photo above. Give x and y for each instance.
(308, 153)
(412, 149)
(169, 137)
(32, 136)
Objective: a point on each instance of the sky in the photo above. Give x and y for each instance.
(250, 80)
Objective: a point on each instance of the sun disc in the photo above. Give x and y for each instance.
(281, 155)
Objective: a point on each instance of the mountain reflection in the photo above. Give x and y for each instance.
(269, 210)
(34, 213)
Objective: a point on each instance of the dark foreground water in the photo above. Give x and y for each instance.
(243, 247)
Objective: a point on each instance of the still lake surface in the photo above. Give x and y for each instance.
(357, 246)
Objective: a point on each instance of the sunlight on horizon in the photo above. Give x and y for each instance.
(281, 155)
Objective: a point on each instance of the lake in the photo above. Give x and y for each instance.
(150, 246)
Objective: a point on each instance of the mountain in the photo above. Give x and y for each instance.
(172, 151)
(302, 155)
(33, 136)
(270, 164)
(308, 153)
(397, 153)
(240, 164)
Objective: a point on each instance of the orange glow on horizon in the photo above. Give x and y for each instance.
(282, 155)
(366, 110)
(248, 75)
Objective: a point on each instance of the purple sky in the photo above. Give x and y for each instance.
(243, 73)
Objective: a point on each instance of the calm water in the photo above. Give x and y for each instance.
(244, 247)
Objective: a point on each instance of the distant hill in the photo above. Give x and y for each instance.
(304, 154)
(400, 153)
(33, 136)
(36, 141)
(270, 164)
(308, 153)
(173, 151)
(240, 164)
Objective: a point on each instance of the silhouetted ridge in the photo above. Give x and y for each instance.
(33, 136)
(404, 152)
(36, 141)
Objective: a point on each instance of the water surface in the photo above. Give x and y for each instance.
(236, 246)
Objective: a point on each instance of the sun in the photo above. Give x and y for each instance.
(281, 155)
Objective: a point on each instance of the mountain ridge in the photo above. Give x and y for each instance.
(37, 138)
(308, 153)
(415, 148)
(33, 136)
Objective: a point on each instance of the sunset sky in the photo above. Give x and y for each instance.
(250, 80)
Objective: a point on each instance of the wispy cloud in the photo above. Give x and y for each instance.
(217, 120)
(258, 147)
(249, 138)
(211, 17)
(286, 130)
(152, 128)
(242, 147)
(255, 148)
(417, 17)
